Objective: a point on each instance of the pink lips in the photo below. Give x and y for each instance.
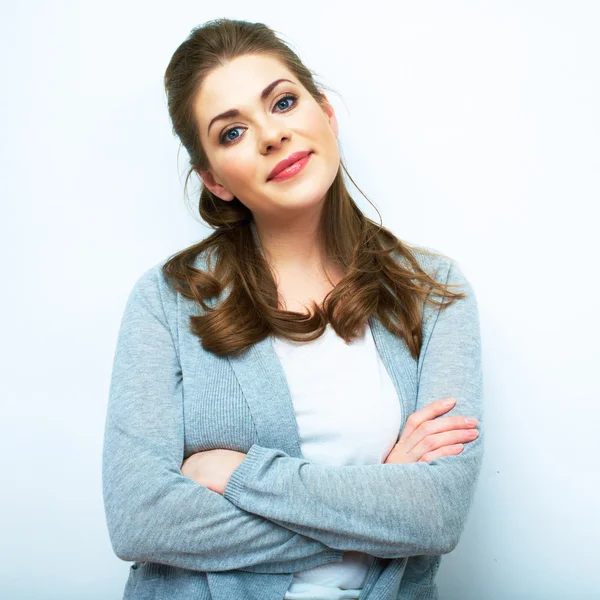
(290, 166)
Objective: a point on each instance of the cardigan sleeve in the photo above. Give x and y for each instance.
(387, 510)
(155, 513)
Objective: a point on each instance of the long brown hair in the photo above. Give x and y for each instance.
(382, 275)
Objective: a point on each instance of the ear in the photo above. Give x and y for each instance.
(215, 186)
(328, 109)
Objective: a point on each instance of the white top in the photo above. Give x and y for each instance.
(348, 413)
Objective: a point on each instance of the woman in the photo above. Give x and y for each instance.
(262, 377)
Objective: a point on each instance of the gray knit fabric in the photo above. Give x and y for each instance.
(279, 513)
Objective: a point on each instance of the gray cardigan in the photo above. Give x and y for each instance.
(279, 513)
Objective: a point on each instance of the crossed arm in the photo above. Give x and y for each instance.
(156, 513)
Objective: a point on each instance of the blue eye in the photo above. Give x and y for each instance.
(225, 141)
(284, 98)
(227, 132)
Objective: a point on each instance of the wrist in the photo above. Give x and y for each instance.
(237, 458)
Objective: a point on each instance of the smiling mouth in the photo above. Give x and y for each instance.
(292, 169)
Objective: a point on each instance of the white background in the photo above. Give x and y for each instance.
(473, 127)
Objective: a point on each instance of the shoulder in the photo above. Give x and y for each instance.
(443, 268)
(433, 261)
(151, 281)
(154, 285)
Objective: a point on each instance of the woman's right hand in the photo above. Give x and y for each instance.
(426, 437)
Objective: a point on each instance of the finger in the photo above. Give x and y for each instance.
(438, 425)
(439, 440)
(445, 451)
(446, 424)
(427, 413)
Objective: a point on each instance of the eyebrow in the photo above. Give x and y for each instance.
(234, 112)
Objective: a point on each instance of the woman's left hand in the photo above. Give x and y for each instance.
(212, 468)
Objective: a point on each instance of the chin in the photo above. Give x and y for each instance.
(311, 194)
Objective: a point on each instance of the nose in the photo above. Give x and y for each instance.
(273, 134)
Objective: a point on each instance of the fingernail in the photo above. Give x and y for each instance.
(449, 401)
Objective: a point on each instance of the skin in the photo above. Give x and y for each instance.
(286, 213)
(212, 468)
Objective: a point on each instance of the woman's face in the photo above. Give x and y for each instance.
(243, 149)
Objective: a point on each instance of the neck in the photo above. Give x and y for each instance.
(295, 245)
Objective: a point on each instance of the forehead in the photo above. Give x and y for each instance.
(237, 83)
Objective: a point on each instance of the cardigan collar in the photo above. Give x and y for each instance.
(262, 380)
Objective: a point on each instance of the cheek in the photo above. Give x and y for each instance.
(315, 123)
(317, 128)
(238, 168)
(320, 130)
